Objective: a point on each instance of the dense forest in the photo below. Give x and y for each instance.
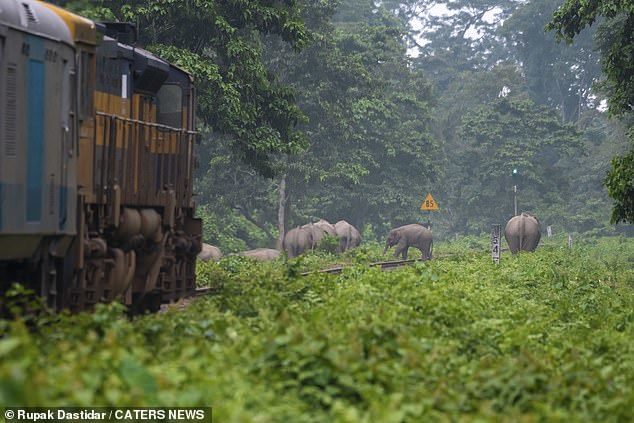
(355, 109)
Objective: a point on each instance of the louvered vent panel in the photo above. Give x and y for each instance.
(30, 15)
(10, 113)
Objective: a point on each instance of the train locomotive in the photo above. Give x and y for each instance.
(96, 163)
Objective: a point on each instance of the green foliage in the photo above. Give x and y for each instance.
(558, 75)
(512, 133)
(232, 232)
(454, 36)
(616, 40)
(369, 114)
(543, 336)
(620, 183)
(237, 95)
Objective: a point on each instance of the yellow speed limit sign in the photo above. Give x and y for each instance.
(429, 204)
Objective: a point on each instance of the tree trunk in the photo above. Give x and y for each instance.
(281, 213)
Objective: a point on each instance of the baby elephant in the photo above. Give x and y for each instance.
(261, 254)
(522, 233)
(410, 236)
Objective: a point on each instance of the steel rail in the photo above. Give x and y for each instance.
(383, 265)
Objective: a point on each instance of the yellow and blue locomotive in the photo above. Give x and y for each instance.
(96, 161)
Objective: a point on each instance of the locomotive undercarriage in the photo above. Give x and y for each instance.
(142, 263)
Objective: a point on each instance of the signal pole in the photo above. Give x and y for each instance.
(515, 176)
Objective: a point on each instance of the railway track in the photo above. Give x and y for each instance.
(184, 302)
(383, 265)
(201, 292)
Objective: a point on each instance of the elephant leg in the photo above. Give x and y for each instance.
(400, 248)
(426, 251)
(405, 252)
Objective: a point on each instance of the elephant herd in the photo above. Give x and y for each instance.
(297, 241)
(308, 237)
(522, 233)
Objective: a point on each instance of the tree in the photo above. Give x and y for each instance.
(558, 75)
(513, 133)
(372, 153)
(616, 41)
(453, 36)
(237, 95)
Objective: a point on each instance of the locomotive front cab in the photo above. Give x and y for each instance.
(144, 143)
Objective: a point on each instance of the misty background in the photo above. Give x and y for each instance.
(356, 109)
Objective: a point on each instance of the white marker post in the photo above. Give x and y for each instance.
(570, 241)
(549, 230)
(496, 232)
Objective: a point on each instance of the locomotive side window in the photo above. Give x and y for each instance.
(87, 75)
(170, 105)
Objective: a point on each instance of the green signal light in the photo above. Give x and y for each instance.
(515, 171)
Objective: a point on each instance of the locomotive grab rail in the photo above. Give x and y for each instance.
(149, 124)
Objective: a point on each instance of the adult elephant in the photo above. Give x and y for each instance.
(319, 230)
(407, 236)
(209, 252)
(522, 233)
(349, 236)
(297, 241)
(262, 254)
(327, 227)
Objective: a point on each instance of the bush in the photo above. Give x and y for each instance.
(540, 337)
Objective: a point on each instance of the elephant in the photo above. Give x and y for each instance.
(327, 227)
(262, 254)
(319, 231)
(410, 236)
(349, 236)
(209, 252)
(522, 233)
(297, 241)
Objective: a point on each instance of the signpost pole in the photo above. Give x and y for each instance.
(496, 233)
(515, 198)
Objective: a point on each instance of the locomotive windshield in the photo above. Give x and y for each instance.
(170, 105)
